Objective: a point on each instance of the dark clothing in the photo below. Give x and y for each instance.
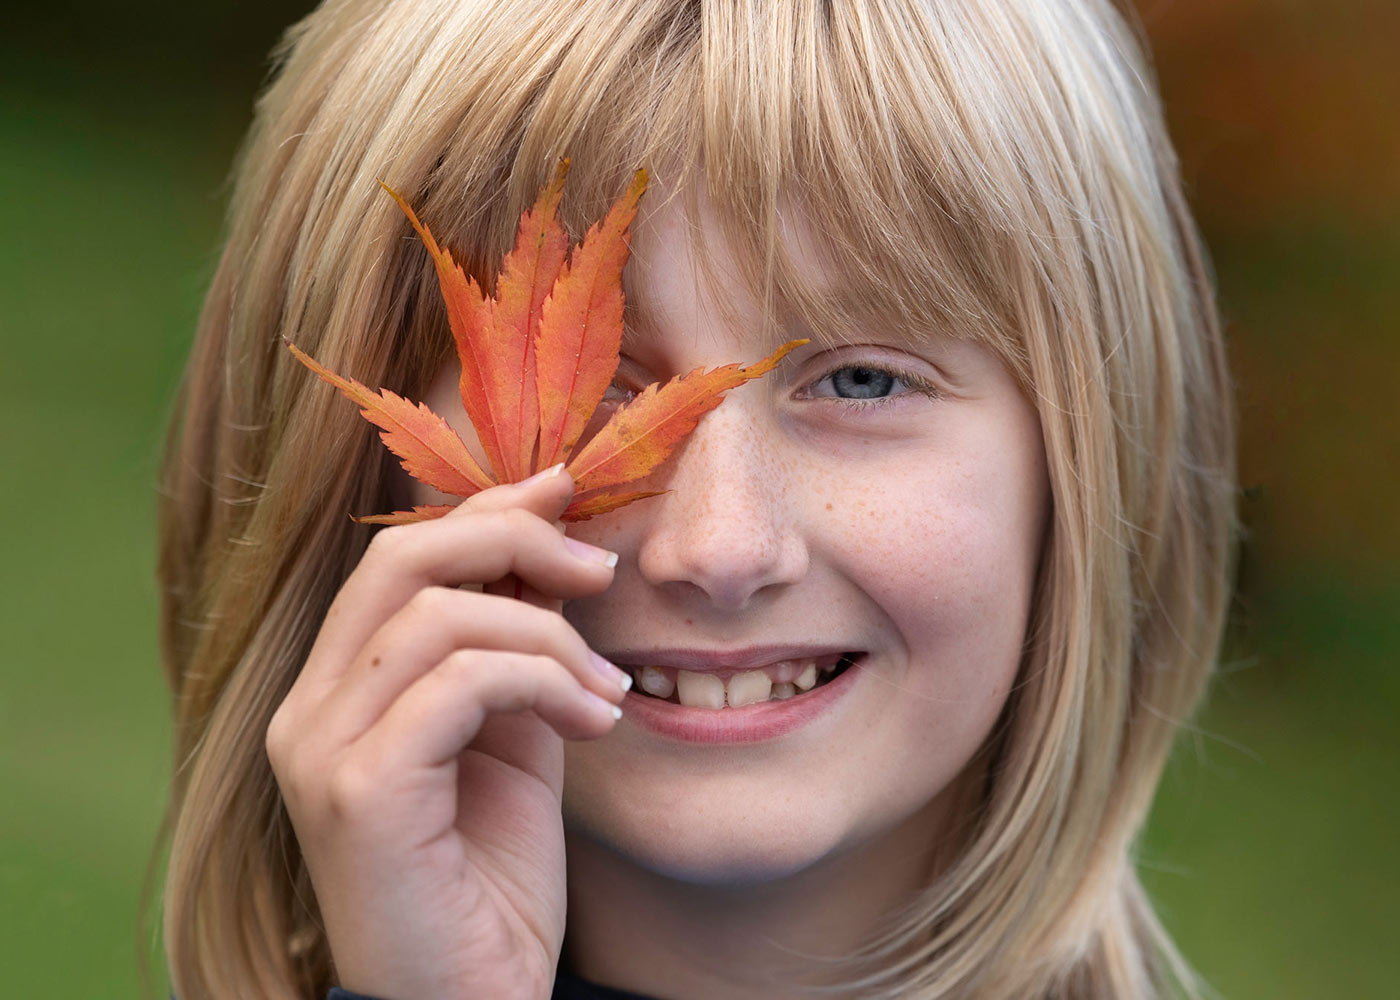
(566, 987)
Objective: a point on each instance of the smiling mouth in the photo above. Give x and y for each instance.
(781, 681)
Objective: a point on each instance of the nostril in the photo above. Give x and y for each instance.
(726, 561)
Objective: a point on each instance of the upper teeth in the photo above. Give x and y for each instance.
(653, 680)
(748, 688)
(696, 689)
(700, 690)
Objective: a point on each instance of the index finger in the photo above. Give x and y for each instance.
(479, 542)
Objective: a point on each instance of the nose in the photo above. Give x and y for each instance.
(729, 530)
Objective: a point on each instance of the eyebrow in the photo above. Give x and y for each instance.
(637, 329)
(640, 319)
(844, 311)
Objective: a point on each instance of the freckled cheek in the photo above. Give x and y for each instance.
(951, 580)
(616, 531)
(956, 628)
(892, 549)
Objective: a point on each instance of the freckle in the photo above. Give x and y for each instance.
(828, 506)
(374, 662)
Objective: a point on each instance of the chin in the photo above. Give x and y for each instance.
(704, 841)
(707, 863)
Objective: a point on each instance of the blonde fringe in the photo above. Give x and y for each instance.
(995, 170)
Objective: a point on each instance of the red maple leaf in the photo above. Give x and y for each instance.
(537, 360)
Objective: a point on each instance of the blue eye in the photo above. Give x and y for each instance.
(862, 383)
(857, 384)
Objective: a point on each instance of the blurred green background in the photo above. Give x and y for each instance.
(1272, 850)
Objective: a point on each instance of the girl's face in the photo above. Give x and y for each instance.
(880, 504)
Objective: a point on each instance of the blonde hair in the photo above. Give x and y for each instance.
(980, 168)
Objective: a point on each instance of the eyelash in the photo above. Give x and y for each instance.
(913, 381)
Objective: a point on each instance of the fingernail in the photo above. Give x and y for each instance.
(591, 553)
(540, 477)
(601, 705)
(614, 673)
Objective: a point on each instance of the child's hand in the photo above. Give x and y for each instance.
(419, 751)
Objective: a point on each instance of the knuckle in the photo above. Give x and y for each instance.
(551, 632)
(351, 791)
(387, 544)
(477, 672)
(478, 503)
(277, 741)
(293, 780)
(432, 602)
(463, 669)
(290, 769)
(457, 667)
(517, 520)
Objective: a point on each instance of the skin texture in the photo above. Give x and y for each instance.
(440, 871)
(907, 526)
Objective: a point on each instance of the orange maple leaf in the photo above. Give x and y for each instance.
(643, 432)
(536, 362)
(431, 451)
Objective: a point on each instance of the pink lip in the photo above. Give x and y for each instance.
(767, 720)
(720, 660)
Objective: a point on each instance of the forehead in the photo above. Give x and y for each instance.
(693, 262)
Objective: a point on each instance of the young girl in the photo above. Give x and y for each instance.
(971, 541)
